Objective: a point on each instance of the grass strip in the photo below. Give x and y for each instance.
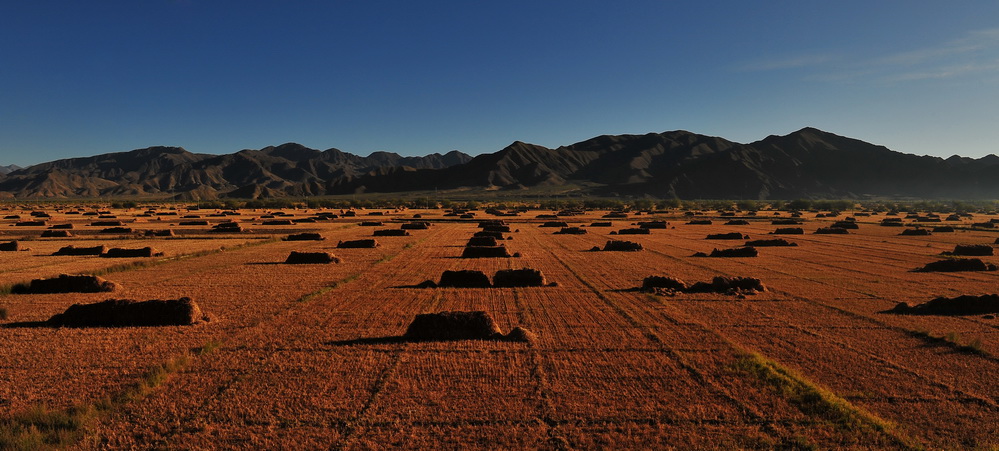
(815, 400)
(952, 340)
(41, 427)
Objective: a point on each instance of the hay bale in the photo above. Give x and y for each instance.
(652, 283)
(12, 246)
(416, 226)
(481, 241)
(521, 334)
(634, 232)
(959, 306)
(390, 232)
(30, 224)
(785, 222)
(159, 233)
(957, 264)
(107, 224)
(193, 223)
(915, 232)
(496, 228)
(305, 236)
(56, 234)
(73, 250)
(130, 313)
(485, 252)
(571, 231)
(832, 231)
(699, 222)
(464, 279)
(726, 236)
(65, 283)
(729, 285)
(737, 222)
(116, 230)
(975, 250)
(891, 222)
(770, 243)
(307, 258)
(227, 227)
(476, 325)
(120, 252)
(621, 245)
(943, 229)
(357, 244)
(788, 231)
(525, 277)
(845, 225)
(601, 224)
(554, 224)
(496, 235)
(736, 252)
(653, 225)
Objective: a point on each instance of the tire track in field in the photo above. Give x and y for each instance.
(899, 440)
(755, 417)
(958, 395)
(546, 408)
(228, 384)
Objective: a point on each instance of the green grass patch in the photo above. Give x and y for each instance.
(815, 400)
(41, 427)
(952, 340)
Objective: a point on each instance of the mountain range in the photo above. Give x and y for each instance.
(808, 163)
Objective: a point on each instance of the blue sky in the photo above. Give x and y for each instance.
(80, 78)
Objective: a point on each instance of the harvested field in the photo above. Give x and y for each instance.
(788, 231)
(317, 356)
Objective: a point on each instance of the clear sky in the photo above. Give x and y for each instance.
(78, 78)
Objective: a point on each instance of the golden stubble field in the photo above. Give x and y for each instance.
(308, 356)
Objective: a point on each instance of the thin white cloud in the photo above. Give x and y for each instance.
(975, 53)
(787, 63)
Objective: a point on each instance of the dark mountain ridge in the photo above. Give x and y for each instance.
(805, 163)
